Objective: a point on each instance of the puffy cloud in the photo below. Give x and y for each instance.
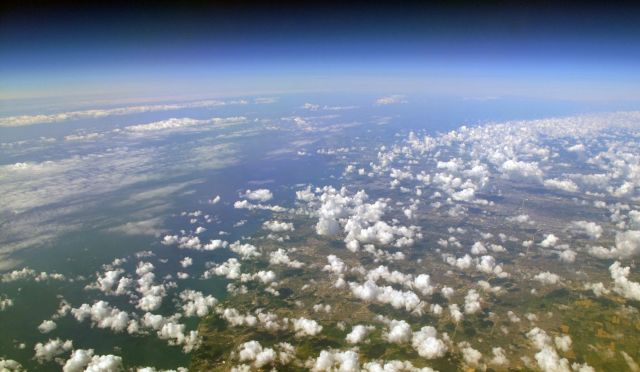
(151, 294)
(229, 269)
(51, 349)
(186, 262)
(85, 360)
(10, 365)
(472, 302)
(499, 357)
(563, 342)
(371, 292)
(261, 195)
(478, 248)
(277, 226)
(195, 303)
(470, 355)
(252, 351)
(246, 251)
(103, 316)
(521, 170)
(333, 360)
(47, 326)
(547, 278)
(5, 303)
(110, 279)
(621, 283)
(627, 245)
(549, 241)
(593, 230)
(280, 257)
(359, 333)
(306, 327)
(427, 343)
(399, 332)
(30, 274)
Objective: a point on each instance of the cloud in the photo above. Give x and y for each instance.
(335, 360)
(253, 351)
(180, 123)
(622, 285)
(47, 326)
(280, 257)
(627, 245)
(591, 229)
(149, 226)
(51, 349)
(261, 195)
(390, 100)
(399, 332)
(547, 278)
(359, 333)
(277, 226)
(521, 171)
(306, 327)
(565, 185)
(103, 316)
(85, 360)
(427, 343)
(194, 303)
(15, 121)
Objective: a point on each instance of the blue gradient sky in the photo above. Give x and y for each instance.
(584, 53)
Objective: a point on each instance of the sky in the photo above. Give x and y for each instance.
(62, 49)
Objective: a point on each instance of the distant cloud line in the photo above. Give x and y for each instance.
(24, 120)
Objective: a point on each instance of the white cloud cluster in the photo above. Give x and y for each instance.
(194, 303)
(193, 242)
(547, 278)
(306, 327)
(151, 293)
(10, 365)
(30, 274)
(472, 302)
(621, 283)
(359, 333)
(104, 316)
(167, 328)
(369, 291)
(360, 221)
(547, 357)
(110, 279)
(47, 326)
(252, 351)
(86, 360)
(281, 257)
(335, 360)
(246, 251)
(591, 229)
(51, 349)
(230, 269)
(627, 245)
(277, 226)
(261, 195)
(486, 264)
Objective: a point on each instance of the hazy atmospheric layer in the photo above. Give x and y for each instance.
(500, 245)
